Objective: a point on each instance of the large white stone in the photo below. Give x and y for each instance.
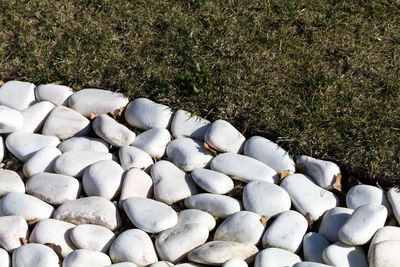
(89, 210)
(385, 254)
(153, 142)
(10, 181)
(217, 205)
(4, 258)
(53, 188)
(332, 221)
(366, 194)
(132, 157)
(393, 196)
(84, 258)
(12, 229)
(90, 100)
(234, 262)
(17, 95)
(2, 148)
(223, 137)
(35, 116)
(185, 124)
(387, 233)
(189, 216)
(64, 123)
(112, 131)
(24, 145)
(340, 254)
(92, 237)
(56, 94)
(42, 161)
(212, 181)
(124, 264)
(34, 255)
(11, 120)
(314, 245)
(310, 264)
(276, 257)
(137, 183)
(170, 183)
(161, 264)
(82, 144)
(149, 215)
(144, 114)
(307, 197)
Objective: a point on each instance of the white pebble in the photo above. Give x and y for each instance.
(56, 94)
(387, 233)
(185, 124)
(276, 257)
(17, 95)
(234, 262)
(217, 205)
(34, 255)
(393, 196)
(132, 157)
(11, 120)
(2, 148)
(92, 237)
(385, 254)
(10, 181)
(4, 258)
(332, 221)
(212, 181)
(314, 245)
(223, 137)
(366, 194)
(136, 183)
(153, 142)
(112, 131)
(83, 143)
(340, 254)
(189, 216)
(12, 229)
(84, 258)
(35, 116)
(42, 161)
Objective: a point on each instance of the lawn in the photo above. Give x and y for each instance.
(319, 77)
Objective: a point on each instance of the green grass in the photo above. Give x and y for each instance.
(320, 77)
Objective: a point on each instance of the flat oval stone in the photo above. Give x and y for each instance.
(393, 196)
(84, 257)
(132, 157)
(270, 154)
(170, 183)
(17, 95)
(242, 226)
(366, 194)
(235, 263)
(276, 257)
(4, 258)
(218, 252)
(41, 161)
(218, 205)
(387, 233)
(161, 264)
(190, 216)
(90, 100)
(24, 145)
(56, 94)
(35, 116)
(363, 224)
(74, 163)
(212, 181)
(265, 199)
(314, 245)
(189, 264)
(103, 179)
(308, 197)
(153, 142)
(12, 229)
(223, 137)
(55, 232)
(83, 143)
(53, 188)
(123, 264)
(310, 264)
(243, 168)
(184, 124)
(34, 255)
(175, 243)
(149, 215)
(188, 154)
(26, 206)
(11, 120)
(10, 181)
(134, 246)
(89, 210)
(385, 253)
(137, 183)
(332, 221)
(112, 131)
(92, 237)
(340, 254)
(145, 114)
(64, 123)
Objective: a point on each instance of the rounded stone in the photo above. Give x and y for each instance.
(12, 229)
(212, 181)
(234, 262)
(34, 255)
(132, 157)
(153, 142)
(56, 94)
(393, 196)
(222, 136)
(161, 264)
(11, 120)
(4, 258)
(314, 245)
(35, 116)
(122, 264)
(189, 216)
(340, 254)
(387, 233)
(92, 237)
(17, 95)
(2, 149)
(41, 161)
(83, 143)
(83, 257)
(10, 181)
(137, 183)
(113, 132)
(310, 264)
(184, 124)
(332, 221)
(366, 194)
(385, 253)
(276, 257)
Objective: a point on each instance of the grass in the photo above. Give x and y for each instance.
(319, 77)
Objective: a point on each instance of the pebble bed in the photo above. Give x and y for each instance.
(89, 179)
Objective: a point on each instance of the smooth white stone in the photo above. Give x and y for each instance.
(286, 231)
(363, 224)
(35, 116)
(41, 161)
(134, 246)
(188, 154)
(269, 153)
(393, 196)
(137, 183)
(92, 237)
(218, 252)
(53, 188)
(308, 197)
(12, 229)
(265, 199)
(310, 264)
(17, 95)
(123, 264)
(153, 142)
(212, 181)
(184, 124)
(11, 120)
(89, 210)
(24, 145)
(385, 254)
(149, 215)
(145, 114)
(34, 255)
(161, 264)
(321, 171)
(243, 168)
(84, 258)
(64, 123)
(2, 148)
(217, 205)
(74, 163)
(83, 143)
(170, 183)
(112, 131)
(189, 264)
(5, 260)
(366, 194)
(175, 243)
(26, 206)
(103, 179)
(234, 262)
(332, 221)
(276, 257)
(340, 254)
(90, 100)
(55, 232)
(314, 245)
(387, 233)
(223, 137)
(56, 94)
(10, 181)
(189, 216)
(242, 226)
(132, 157)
